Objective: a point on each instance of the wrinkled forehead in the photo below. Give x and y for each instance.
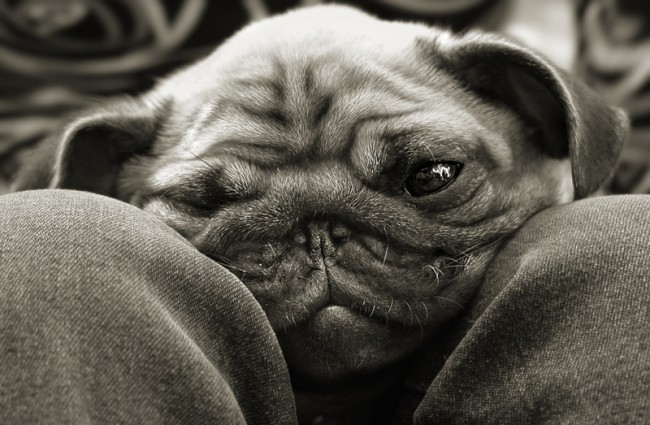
(296, 100)
(316, 108)
(307, 90)
(292, 100)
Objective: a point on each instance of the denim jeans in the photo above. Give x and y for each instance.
(107, 316)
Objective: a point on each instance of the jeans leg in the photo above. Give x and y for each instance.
(560, 331)
(108, 316)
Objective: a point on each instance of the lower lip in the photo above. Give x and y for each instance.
(344, 323)
(338, 342)
(336, 313)
(347, 323)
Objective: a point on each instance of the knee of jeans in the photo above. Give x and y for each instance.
(56, 234)
(52, 217)
(605, 232)
(597, 244)
(71, 258)
(611, 217)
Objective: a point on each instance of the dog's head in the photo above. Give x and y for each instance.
(357, 175)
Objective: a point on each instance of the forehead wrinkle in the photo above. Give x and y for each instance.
(347, 91)
(252, 105)
(490, 146)
(445, 142)
(334, 74)
(232, 125)
(352, 110)
(298, 98)
(443, 132)
(300, 91)
(253, 151)
(369, 154)
(256, 92)
(185, 122)
(264, 90)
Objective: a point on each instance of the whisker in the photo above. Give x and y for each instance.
(216, 173)
(420, 326)
(228, 264)
(438, 272)
(387, 243)
(481, 245)
(385, 254)
(410, 311)
(454, 302)
(362, 360)
(426, 312)
(433, 157)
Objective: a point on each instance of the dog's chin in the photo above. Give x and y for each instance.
(338, 345)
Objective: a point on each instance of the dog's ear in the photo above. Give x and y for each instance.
(88, 153)
(567, 118)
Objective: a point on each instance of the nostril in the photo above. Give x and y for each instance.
(300, 237)
(339, 231)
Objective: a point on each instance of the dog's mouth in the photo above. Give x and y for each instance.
(348, 304)
(352, 312)
(399, 288)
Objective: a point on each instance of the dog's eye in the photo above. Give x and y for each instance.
(432, 177)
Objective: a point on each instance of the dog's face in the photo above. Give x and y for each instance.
(357, 175)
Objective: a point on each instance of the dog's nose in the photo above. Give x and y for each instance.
(323, 239)
(327, 232)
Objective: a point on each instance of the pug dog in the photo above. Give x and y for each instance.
(357, 175)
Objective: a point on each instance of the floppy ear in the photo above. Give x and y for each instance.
(89, 152)
(567, 118)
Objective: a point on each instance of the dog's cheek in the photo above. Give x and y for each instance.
(543, 182)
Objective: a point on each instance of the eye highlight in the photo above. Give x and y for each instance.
(432, 177)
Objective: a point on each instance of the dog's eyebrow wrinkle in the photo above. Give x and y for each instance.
(274, 89)
(254, 107)
(388, 80)
(322, 107)
(308, 84)
(258, 152)
(274, 115)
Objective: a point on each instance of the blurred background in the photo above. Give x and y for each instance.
(55, 55)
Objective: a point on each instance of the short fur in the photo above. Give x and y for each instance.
(284, 157)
